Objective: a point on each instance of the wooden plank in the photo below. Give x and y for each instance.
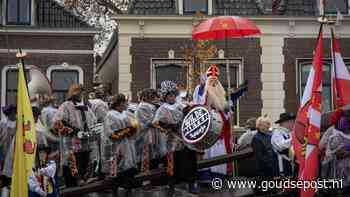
(89, 188)
(153, 175)
(205, 163)
(109, 183)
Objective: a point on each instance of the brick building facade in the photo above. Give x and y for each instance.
(145, 49)
(151, 34)
(55, 40)
(297, 51)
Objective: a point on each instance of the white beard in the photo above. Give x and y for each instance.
(215, 95)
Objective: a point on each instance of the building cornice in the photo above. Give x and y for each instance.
(181, 26)
(190, 18)
(46, 31)
(50, 51)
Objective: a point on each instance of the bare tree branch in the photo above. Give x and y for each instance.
(98, 13)
(113, 6)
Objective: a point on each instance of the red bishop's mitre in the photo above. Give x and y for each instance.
(213, 72)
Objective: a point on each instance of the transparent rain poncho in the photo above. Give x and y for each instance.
(117, 155)
(170, 114)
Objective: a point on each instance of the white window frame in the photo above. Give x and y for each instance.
(182, 10)
(32, 14)
(48, 75)
(180, 61)
(240, 75)
(181, 7)
(158, 62)
(66, 68)
(2, 15)
(4, 84)
(319, 9)
(238, 61)
(298, 81)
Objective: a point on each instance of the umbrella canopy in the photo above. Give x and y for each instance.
(223, 27)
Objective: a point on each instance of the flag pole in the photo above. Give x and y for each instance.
(334, 71)
(325, 19)
(20, 55)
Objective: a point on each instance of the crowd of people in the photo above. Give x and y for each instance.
(274, 153)
(83, 140)
(86, 139)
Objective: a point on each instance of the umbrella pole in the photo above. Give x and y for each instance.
(227, 68)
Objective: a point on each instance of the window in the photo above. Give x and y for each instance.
(223, 78)
(60, 82)
(11, 85)
(304, 69)
(18, 12)
(176, 70)
(235, 79)
(192, 6)
(169, 70)
(234, 71)
(331, 7)
(61, 78)
(326, 91)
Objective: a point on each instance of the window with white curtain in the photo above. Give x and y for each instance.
(304, 66)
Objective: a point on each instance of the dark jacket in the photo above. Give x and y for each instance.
(262, 147)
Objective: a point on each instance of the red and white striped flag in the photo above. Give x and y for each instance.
(340, 77)
(306, 132)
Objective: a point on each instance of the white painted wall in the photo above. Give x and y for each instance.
(124, 64)
(274, 30)
(272, 75)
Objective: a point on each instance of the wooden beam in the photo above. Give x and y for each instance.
(152, 175)
(98, 186)
(205, 163)
(109, 183)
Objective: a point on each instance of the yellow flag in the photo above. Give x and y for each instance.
(25, 146)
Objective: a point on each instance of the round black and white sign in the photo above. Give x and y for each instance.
(195, 125)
